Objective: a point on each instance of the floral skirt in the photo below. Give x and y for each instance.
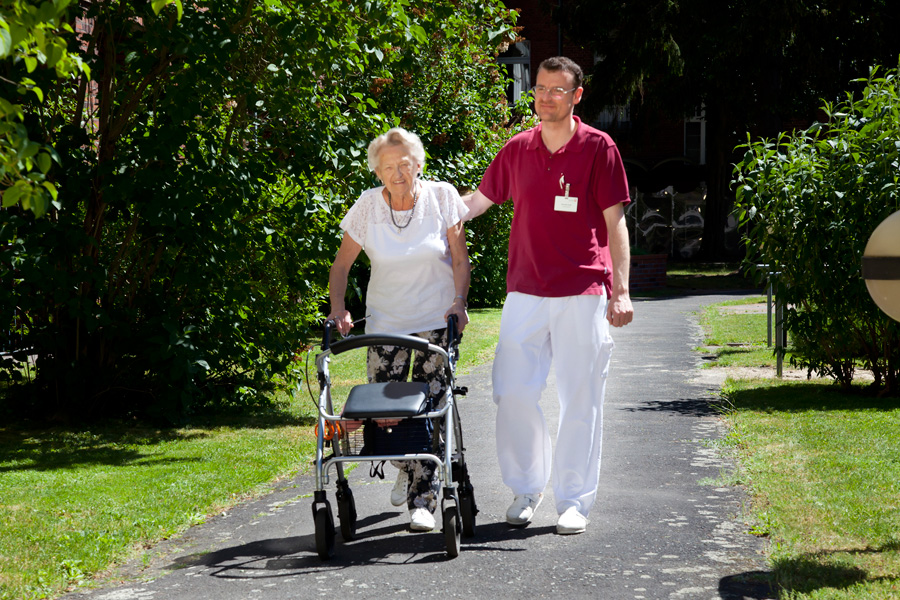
(392, 363)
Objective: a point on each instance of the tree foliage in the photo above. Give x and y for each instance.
(811, 200)
(750, 66)
(204, 165)
(31, 36)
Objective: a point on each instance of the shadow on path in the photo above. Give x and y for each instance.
(290, 556)
(689, 407)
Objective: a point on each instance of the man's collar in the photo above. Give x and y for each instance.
(573, 145)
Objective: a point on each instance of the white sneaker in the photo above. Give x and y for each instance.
(522, 509)
(571, 521)
(401, 488)
(421, 519)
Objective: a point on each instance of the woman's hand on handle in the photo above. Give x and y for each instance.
(342, 321)
(459, 309)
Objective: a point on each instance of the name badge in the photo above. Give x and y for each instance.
(566, 204)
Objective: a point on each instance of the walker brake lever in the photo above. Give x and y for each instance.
(353, 324)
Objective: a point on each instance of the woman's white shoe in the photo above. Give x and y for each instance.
(421, 519)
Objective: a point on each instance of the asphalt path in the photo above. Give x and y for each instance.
(664, 526)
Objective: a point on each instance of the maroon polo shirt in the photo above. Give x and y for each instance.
(555, 253)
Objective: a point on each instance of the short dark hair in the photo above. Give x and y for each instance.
(561, 63)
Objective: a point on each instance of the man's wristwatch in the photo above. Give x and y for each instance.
(463, 298)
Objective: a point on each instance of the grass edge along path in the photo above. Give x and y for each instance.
(823, 470)
(74, 503)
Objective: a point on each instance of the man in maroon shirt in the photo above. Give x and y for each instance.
(567, 283)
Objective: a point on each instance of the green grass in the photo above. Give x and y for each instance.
(824, 470)
(479, 339)
(75, 502)
(692, 277)
(702, 269)
(822, 466)
(707, 276)
(738, 339)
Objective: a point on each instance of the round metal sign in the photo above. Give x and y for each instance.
(881, 266)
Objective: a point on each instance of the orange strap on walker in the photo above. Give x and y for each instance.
(332, 429)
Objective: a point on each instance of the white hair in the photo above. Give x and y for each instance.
(396, 137)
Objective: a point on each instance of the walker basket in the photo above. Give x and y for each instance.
(387, 436)
(386, 412)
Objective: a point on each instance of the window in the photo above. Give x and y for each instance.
(614, 117)
(516, 61)
(695, 138)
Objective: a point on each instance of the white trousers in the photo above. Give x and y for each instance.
(571, 332)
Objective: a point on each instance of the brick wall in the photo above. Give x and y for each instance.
(648, 272)
(535, 18)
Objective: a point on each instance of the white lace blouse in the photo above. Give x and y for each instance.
(411, 286)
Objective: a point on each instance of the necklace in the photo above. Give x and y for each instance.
(411, 211)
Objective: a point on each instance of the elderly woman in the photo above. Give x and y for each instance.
(412, 232)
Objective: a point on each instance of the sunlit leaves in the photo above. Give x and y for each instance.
(159, 5)
(32, 37)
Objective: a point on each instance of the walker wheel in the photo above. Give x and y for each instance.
(451, 531)
(347, 514)
(467, 512)
(324, 531)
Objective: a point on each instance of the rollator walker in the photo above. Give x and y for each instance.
(395, 421)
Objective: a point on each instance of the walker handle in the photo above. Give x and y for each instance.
(452, 331)
(378, 339)
(327, 327)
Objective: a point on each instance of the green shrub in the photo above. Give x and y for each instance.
(186, 255)
(488, 237)
(810, 200)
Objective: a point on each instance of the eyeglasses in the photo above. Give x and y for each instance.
(555, 92)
